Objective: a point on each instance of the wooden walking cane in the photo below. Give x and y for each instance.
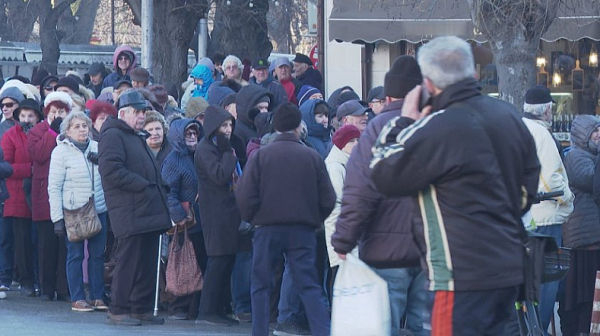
(157, 276)
(595, 325)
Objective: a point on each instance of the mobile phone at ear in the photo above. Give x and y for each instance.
(425, 98)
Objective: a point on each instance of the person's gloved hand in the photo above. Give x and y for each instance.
(223, 144)
(55, 125)
(59, 228)
(93, 157)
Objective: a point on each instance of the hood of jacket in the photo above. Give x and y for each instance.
(308, 115)
(581, 130)
(246, 100)
(217, 93)
(202, 72)
(118, 51)
(214, 118)
(177, 133)
(336, 155)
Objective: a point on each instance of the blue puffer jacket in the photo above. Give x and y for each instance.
(318, 136)
(179, 173)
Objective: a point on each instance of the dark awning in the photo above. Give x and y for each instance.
(418, 20)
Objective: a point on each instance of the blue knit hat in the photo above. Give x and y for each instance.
(305, 92)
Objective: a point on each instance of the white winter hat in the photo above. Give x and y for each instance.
(59, 96)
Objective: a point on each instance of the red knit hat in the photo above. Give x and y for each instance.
(344, 135)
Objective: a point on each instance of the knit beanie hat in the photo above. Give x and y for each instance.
(75, 75)
(195, 106)
(305, 92)
(404, 75)
(58, 96)
(286, 117)
(343, 135)
(96, 68)
(160, 93)
(13, 93)
(39, 76)
(229, 99)
(217, 93)
(69, 82)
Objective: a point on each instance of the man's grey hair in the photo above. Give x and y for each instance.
(125, 110)
(446, 60)
(233, 59)
(537, 109)
(66, 123)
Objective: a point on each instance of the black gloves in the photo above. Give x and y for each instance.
(55, 126)
(93, 157)
(223, 144)
(59, 228)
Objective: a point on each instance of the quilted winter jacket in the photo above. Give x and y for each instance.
(553, 177)
(583, 226)
(14, 145)
(70, 179)
(41, 142)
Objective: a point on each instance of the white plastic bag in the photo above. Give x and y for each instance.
(361, 304)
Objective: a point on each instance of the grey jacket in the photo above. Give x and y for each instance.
(582, 229)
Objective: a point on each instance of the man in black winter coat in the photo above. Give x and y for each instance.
(381, 227)
(137, 206)
(473, 184)
(267, 196)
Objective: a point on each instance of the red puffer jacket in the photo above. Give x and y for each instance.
(42, 140)
(14, 145)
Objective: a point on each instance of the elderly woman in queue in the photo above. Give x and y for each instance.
(51, 251)
(73, 167)
(16, 209)
(99, 112)
(179, 173)
(581, 232)
(157, 129)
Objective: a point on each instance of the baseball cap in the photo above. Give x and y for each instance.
(281, 61)
(351, 107)
(134, 99)
(376, 93)
(260, 63)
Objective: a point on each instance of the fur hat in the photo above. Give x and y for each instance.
(404, 75)
(195, 106)
(58, 96)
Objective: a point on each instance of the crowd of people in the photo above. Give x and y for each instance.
(274, 186)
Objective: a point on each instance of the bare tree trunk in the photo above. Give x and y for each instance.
(79, 27)
(50, 36)
(514, 29)
(174, 25)
(241, 30)
(17, 18)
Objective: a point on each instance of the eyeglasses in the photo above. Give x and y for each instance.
(9, 105)
(123, 58)
(191, 134)
(231, 67)
(49, 88)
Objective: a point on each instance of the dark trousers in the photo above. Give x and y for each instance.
(190, 303)
(216, 292)
(299, 246)
(134, 279)
(52, 260)
(474, 313)
(7, 255)
(23, 250)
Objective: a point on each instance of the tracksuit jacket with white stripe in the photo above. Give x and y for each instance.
(472, 164)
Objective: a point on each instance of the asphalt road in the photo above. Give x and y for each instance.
(23, 316)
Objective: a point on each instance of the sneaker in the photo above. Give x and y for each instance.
(290, 329)
(148, 318)
(214, 319)
(81, 306)
(98, 305)
(179, 316)
(123, 320)
(4, 288)
(244, 317)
